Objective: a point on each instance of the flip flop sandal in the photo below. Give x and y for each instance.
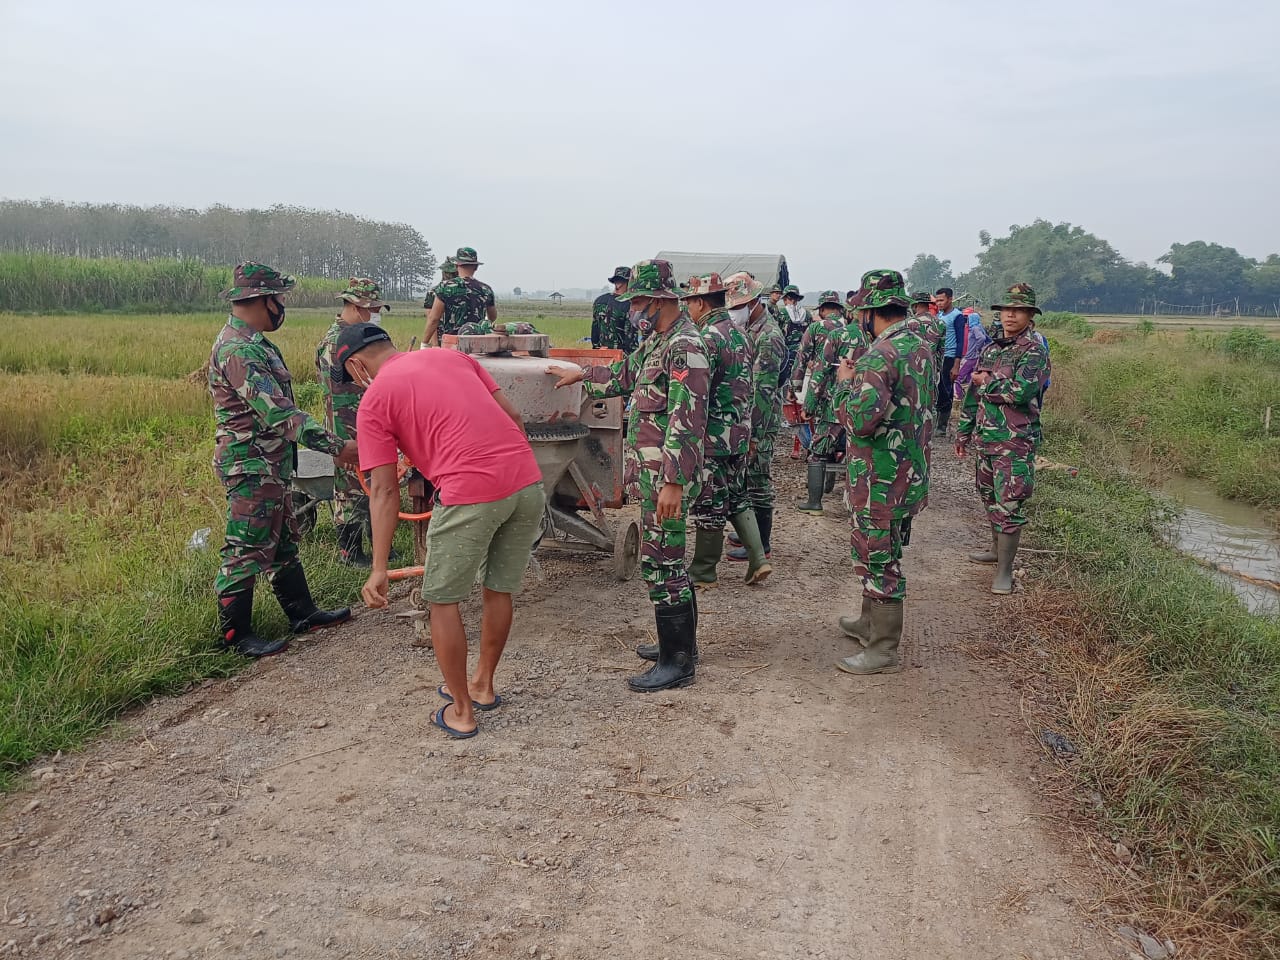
(440, 722)
(486, 707)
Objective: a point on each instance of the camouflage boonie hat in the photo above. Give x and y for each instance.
(776, 288)
(1019, 295)
(830, 298)
(449, 268)
(922, 296)
(884, 288)
(791, 290)
(651, 278)
(468, 256)
(256, 280)
(363, 292)
(702, 286)
(620, 275)
(742, 289)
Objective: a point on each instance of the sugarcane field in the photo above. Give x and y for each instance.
(476, 484)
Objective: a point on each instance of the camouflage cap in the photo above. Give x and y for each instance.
(743, 288)
(468, 256)
(363, 292)
(776, 288)
(1019, 295)
(702, 286)
(791, 290)
(885, 288)
(449, 268)
(651, 278)
(256, 280)
(620, 275)
(922, 296)
(830, 298)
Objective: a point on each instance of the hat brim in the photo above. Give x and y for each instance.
(653, 294)
(617, 279)
(754, 289)
(1016, 306)
(702, 293)
(362, 302)
(468, 263)
(252, 294)
(886, 302)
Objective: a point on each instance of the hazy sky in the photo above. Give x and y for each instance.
(560, 138)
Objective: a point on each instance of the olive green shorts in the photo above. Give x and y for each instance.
(494, 537)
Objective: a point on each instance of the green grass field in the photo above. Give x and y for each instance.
(106, 476)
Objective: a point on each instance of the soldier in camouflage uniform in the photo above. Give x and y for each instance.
(766, 401)
(1001, 414)
(668, 380)
(724, 478)
(448, 271)
(845, 342)
(255, 454)
(795, 321)
(464, 299)
(823, 446)
(928, 324)
(775, 307)
(362, 303)
(881, 400)
(611, 316)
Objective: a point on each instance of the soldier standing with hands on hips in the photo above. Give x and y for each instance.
(668, 380)
(255, 454)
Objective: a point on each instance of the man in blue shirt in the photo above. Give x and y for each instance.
(955, 322)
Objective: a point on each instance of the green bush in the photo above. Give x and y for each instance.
(1070, 323)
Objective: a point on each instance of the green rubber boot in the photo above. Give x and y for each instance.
(706, 555)
(987, 556)
(1006, 550)
(859, 629)
(758, 567)
(881, 654)
(817, 478)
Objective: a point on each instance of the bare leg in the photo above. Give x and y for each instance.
(450, 640)
(495, 627)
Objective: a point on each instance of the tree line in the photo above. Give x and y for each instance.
(1073, 269)
(298, 240)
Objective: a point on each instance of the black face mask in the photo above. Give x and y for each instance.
(869, 324)
(276, 318)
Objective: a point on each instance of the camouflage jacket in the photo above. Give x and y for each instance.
(809, 353)
(886, 419)
(729, 356)
(766, 369)
(341, 400)
(793, 331)
(257, 423)
(1004, 415)
(466, 300)
(844, 341)
(611, 324)
(932, 329)
(668, 379)
(778, 312)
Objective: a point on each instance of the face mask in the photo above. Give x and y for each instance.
(740, 315)
(375, 316)
(644, 320)
(275, 318)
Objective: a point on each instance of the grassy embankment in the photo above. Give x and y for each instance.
(1168, 687)
(105, 476)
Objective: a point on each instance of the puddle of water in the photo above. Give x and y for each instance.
(1228, 534)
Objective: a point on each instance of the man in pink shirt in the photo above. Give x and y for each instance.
(453, 422)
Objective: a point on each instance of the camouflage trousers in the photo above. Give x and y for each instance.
(350, 502)
(877, 556)
(724, 492)
(1005, 481)
(662, 546)
(760, 475)
(826, 440)
(262, 534)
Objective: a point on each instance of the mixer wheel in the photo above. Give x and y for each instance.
(626, 550)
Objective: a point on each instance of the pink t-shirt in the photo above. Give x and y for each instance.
(437, 406)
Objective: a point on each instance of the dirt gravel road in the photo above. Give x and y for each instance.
(777, 808)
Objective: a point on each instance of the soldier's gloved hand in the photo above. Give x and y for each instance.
(670, 497)
(567, 376)
(350, 455)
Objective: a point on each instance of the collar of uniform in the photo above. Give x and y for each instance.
(902, 326)
(246, 331)
(715, 316)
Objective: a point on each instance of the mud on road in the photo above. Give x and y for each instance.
(776, 808)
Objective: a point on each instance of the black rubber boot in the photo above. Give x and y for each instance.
(677, 628)
(290, 585)
(764, 520)
(829, 478)
(649, 651)
(351, 546)
(1006, 550)
(235, 617)
(817, 478)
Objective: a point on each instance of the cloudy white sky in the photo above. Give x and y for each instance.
(560, 138)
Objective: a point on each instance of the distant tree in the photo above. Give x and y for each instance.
(1208, 272)
(517, 292)
(929, 273)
